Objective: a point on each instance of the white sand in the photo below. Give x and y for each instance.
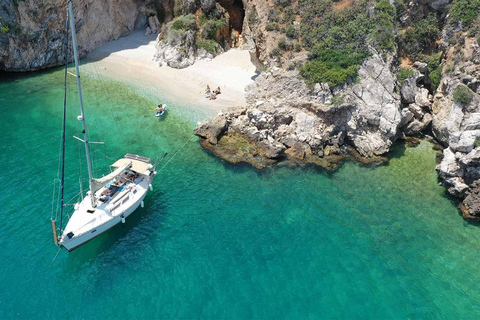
(130, 59)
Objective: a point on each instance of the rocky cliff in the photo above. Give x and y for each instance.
(456, 124)
(32, 33)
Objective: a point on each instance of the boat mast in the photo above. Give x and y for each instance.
(81, 117)
(62, 204)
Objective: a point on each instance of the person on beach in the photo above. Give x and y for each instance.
(217, 91)
(207, 91)
(213, 96)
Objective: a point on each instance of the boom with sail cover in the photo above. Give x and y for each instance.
(97, 184)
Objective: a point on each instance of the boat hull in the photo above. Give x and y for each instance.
(78, 241)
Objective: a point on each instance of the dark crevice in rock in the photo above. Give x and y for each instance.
(236, 12)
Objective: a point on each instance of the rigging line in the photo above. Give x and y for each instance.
(62, 186)
(107, 99)
(79, 165)
(113, 159)
(175, 154)
(66, 202)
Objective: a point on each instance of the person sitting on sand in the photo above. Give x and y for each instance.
(217, 91)
(213, 96)
(207, 91)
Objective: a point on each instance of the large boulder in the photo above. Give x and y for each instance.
(212, 130)
(374, 124)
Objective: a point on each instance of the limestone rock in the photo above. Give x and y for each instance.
(457, 186)
(421, 98)
(207, 5)
(37, 30)
(211, 130)
(471, 205)
(449, 167)
(408, 90)
(374, 124)
(414, 128)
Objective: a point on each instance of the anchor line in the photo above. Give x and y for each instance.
(175, 154)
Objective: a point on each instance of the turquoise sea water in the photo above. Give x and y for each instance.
(217, 240)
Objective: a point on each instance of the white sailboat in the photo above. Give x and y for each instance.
(110, 199)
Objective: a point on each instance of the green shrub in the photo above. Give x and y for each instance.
(185, 23)
(289, 15)
(333, 66)
(211, 27)
(5, 29)
(208, 45)
(436, 77)
(282, 44)
(421, 36)
(465, 11)
(339, 39)
(337, 100)
(403, 73)
(291, 32)
(282, 3)
(275, 52)
(462, 94)
(434, 66)
(180, 7)
(272, 27)
(273, 15)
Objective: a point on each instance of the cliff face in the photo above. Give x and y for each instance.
(33, 32)
(456, 124)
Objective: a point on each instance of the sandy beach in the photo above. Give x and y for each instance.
(130, 59)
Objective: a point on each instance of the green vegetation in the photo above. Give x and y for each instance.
(272, 27)
(282, 3)
(477, 142)
(420, 37)
(337, 100)
(289, 15)
(465, 11)
(284, 45)
(185, 23)
(275, 52)
(462, 94)
(211, 27)
(208, 45)
(291, 32)
(273, 15)
(207, 31)
(5, 29)
(333, 66)
(338, 39)
(435, 67)
(404, 73)
(180, 7)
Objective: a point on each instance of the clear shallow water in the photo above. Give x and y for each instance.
(221, 241)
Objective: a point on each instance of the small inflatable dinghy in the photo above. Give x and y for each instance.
(159, 114)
